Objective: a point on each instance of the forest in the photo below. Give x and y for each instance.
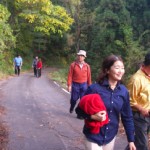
(56, 29)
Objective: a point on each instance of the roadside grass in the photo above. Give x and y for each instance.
(10, 72)
(6, 73)
(3, 76)
(60, 76)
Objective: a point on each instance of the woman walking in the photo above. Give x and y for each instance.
(116, 100)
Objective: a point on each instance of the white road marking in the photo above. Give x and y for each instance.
(56, 83)
(61, 88)
(65, 91)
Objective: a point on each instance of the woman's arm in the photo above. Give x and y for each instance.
(127, 119)
(81, 113)
(100, 116)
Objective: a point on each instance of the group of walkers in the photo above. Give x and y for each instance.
(103, 103)
(36, 65)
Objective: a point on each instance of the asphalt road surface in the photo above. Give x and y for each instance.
(37, 115)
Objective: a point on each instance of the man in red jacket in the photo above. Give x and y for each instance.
(79, 78)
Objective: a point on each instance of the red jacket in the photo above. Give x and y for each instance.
(76, 74)
(39, 65)
(92, 104)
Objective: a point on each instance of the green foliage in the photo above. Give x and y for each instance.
(133, 60)
(60, 76)
(56, 61)
(139, 12)
(7, 40)
(44, 16)
(4, 14)
(112, 33)
(144, 39)
(134, 54)
(108, 24)
(101, 27)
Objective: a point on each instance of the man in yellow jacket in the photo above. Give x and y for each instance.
(139, 89)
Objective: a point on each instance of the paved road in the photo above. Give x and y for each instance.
(37, 115)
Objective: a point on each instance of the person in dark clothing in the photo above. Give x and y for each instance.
(116, 100)
(34, 64)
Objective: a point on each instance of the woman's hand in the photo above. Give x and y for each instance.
(132, 146)
(100, 116)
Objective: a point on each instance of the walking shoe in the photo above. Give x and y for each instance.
(71, 110)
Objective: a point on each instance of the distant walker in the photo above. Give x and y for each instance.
(17, 64)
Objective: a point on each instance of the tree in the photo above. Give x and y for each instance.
(44, 16)
(140, 14)
(110, 17)
(82, 12)
(7, 40)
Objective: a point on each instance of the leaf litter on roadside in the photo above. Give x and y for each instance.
(3, 131)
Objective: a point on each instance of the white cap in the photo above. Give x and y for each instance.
(82, 52)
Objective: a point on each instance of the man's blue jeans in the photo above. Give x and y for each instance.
(78, 91)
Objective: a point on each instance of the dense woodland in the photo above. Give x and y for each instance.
(56, 29)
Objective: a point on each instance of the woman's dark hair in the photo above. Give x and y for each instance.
(106, 65)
